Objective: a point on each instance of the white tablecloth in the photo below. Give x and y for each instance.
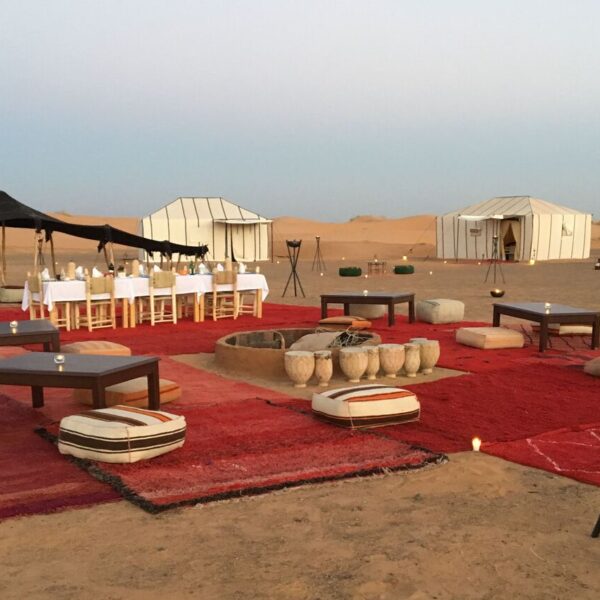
(136, 287)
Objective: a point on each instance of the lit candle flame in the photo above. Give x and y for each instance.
(476, 443)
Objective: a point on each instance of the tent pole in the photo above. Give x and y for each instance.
(3, 267)
(52, 255)
(35, 252)
(272, 245)
(106, 259)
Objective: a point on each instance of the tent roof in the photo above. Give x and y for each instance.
(209, 209)
(513, 206)
(16, 214)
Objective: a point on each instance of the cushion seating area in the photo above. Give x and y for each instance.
(488, 338)
(592, 367)
(132, 393)
(440, 310)
(96, 347)
(368, 311)
(344, 322)
(365, 406)
(121, 434)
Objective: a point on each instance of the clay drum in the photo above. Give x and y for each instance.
(429, 355)
(323, 367)
(353, 362)
(372, 362)
(412, 361)
(391, 357)
(299, 365)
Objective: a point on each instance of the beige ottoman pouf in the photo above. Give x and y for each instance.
(440, 310)
(122, 434)
(132, 393)
(368, 311)
(96, 347)
(366, 406)
(566, 329)
(488, 338)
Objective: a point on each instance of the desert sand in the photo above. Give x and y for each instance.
(475, 527)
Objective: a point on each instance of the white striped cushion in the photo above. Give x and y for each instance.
(362, 406)
(121, 434)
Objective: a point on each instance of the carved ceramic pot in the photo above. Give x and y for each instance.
(323, 367)
(429, 355)
(299, 365)
(391, 357)
(373, 362)
(412, 361)
(353, 362)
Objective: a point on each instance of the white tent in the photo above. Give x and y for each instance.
(525, 228)
(229, 230)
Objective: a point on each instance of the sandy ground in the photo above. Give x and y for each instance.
(476, 527)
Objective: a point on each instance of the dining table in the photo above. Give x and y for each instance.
(127, 289)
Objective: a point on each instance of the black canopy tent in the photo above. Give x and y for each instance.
(16, 214)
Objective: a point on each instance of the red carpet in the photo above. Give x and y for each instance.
(250, 447)
(573, 452)
(35, 478)
(238, 444)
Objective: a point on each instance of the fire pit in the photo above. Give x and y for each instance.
(260, 353)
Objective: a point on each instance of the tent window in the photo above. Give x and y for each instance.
(475, 231)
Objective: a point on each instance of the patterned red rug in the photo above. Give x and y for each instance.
(251, 447)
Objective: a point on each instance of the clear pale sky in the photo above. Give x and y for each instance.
(309, 108)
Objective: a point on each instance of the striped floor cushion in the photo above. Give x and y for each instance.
(121, 434)
(366, 406)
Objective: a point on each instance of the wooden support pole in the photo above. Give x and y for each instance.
(3, 267)
(52, 254)
(106, 256)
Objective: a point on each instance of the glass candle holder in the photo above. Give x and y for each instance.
(476, 443)
(13, 326)
(365, 292)
(59, 359)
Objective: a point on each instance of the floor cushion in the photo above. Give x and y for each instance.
(121, 434)
(566, 329)
(440, 310)
(366, 406)
(489, 338)
(10, 351)
(312, 342)
(368, 311)
(592, 367)
(96, 347)
(343, 322)
(132, 393)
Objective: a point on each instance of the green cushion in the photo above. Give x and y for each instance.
(404, 269)
(350, 271)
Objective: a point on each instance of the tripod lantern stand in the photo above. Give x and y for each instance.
(293, 248)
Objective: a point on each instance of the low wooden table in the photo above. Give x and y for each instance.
(87, 371)
(388, 299)
(38, 331)
(557, 314)
(376, 267)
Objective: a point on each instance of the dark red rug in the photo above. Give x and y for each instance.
(573, 452)
(251, 447)
(35, 478)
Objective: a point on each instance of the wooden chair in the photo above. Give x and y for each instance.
(36, 297)
(223, 303)
(60, 315)
(159, 307)
(99, 304)
(250, 303)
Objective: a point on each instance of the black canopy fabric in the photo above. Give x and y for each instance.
(16, 214)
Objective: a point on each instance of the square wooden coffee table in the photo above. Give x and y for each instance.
(87, 371)
(37, 331)
(389, 299)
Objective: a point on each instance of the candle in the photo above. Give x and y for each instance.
(59, 359)
(366, 276)
(405, 258)
(532, 261)
(321, 274)
(14, 324)
(365, 292)
(476, 443)
(431, 272)
(547, 305)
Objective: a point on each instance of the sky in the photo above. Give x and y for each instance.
(317, 109)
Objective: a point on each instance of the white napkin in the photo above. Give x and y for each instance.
(96, 273)
(241, 268)
(220, 267)
(45, 274)
(79, 273)
(156, 269)
(202, 269)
